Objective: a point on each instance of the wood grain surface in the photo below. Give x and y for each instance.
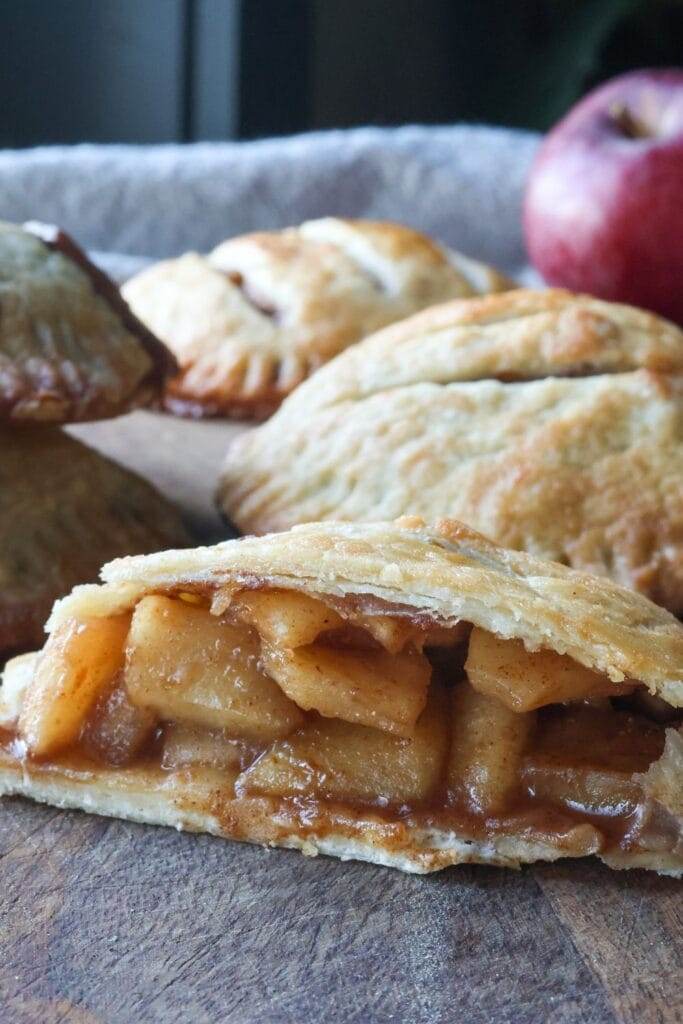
(106, 922)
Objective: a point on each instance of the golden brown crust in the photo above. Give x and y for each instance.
(252, 320)
(552, 422)
(63, 509)
(70, 348)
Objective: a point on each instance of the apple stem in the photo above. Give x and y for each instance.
(628, 123)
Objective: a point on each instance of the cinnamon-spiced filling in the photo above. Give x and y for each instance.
(334, 708)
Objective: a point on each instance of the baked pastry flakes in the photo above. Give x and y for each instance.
(403, 693)
(256, 316)
(63, 508)
(552, 422)
(70, 348)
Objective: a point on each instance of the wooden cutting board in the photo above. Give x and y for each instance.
(105, 922)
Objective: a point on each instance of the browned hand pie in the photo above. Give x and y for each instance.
(252, 319)
(407, 694)
(63, 509)
(551, 422)
(70, 348)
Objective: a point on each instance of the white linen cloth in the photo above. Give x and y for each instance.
(462, 184)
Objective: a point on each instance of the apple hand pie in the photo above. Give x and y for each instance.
(407, 694)
(252, 319)
(63, 509)
(70, 348)
(551, 422)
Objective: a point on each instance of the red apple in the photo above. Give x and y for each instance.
(603, 211)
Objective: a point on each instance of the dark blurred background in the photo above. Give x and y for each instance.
(182, 70)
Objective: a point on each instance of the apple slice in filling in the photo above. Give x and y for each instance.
(387, 691)
(186, 745)
(369, 686)
(117, 730)
(487, 746)
(344, 761)
(78, 663)
(285, 618)
(585, 759)
(188, 666)
(524, 680)
(16, 681)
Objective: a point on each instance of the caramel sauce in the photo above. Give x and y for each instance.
(529, 817)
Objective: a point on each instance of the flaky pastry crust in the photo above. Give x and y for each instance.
(256, 316)
(444, 572)
(63, 508)
(550, 421)
(70, 348)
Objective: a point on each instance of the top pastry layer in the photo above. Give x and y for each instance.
(443, 572)
(70, 348)
(249, 322)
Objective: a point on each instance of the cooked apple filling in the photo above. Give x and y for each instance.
(339, 710)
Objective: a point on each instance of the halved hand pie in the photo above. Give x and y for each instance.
(407, 694)
(70, 348)
(63, 508)
(250, 321)
(551, 422)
